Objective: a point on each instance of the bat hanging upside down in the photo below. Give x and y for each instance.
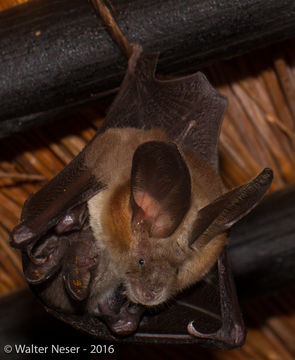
(141, 214)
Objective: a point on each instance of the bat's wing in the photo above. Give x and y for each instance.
(189, 109)
(43, 210)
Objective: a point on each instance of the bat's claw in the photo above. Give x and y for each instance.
(235, 337)
(181, 138)
(193, 331)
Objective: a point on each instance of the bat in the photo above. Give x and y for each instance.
(140, 218)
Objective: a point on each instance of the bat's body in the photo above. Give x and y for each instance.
(111, 216)
(141, 213)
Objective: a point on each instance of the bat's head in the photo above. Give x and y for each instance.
(151, 273)
(160, 191)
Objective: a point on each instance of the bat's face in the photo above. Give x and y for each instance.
(151, 274)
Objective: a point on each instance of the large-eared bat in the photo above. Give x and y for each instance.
(132, 233)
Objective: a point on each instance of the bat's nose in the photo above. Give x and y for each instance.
(149, 297)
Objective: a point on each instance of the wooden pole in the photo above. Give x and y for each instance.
(55, 55)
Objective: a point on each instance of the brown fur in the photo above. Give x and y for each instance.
(110, 154)
(117, 219)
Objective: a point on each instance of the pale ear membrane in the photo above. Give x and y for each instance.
(160, 188)
(226, 210)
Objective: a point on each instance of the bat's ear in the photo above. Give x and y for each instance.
(160, 188)
(226, 210)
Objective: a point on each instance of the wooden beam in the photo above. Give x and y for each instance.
(56, 55)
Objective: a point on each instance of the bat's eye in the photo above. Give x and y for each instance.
(141, 262)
